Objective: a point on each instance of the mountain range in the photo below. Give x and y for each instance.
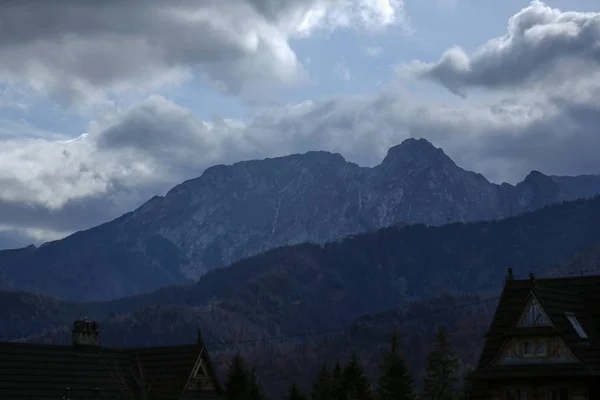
(237, 211)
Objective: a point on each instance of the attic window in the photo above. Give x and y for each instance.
(534, 348)
(576, 325)
(534, 316)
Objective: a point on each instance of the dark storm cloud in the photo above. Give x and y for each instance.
(77, 51)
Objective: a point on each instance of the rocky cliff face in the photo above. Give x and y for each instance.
(232, 212)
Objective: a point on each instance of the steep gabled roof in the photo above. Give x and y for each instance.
(43, 372)
(578, 295)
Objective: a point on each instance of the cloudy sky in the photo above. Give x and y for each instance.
(106, 103)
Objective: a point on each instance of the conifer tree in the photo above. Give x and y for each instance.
(465, 385)
(395, 380)
(236, 383)
(294, 393)
(441, 370)
(337, 385)
(322, 385)
(355, 383)
(253, 390)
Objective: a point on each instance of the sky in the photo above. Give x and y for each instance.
(104, 104)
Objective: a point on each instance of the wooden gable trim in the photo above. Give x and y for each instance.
(194, 372)
(531, 298)
(202, 364)
(569, 358)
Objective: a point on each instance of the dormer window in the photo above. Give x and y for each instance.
(576, 325)
(534, 316)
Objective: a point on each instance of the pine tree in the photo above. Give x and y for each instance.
(338, 391)
(322, 385)
(465, 385)
(395, 380)
(236, 383)
(441, 370)
(354, 382)
(254, 390)
(294, 393)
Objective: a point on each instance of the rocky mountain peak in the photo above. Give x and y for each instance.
(416, 153)
(540, 182)
(536, 176)
(539, 188)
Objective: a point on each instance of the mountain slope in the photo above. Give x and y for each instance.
(314, 287)
(232, 212)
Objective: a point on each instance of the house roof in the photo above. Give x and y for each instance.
(578, 295)
(41, 371)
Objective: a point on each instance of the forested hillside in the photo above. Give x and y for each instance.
(309, 286)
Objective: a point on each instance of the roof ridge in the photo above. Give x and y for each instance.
(15, 344)
(575, 277)
(555, 290)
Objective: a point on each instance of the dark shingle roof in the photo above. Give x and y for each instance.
(579, 295)
(42, 372)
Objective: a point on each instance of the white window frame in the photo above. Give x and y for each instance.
(576, 325)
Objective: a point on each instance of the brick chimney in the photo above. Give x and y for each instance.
(86, 332)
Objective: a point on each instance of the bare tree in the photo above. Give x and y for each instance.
(136, 388)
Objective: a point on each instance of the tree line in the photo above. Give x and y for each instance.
(441, 380)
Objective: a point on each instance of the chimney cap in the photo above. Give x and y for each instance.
(510, 276)
(85, 332)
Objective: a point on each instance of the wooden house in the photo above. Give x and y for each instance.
(86, 370)
(543, 343)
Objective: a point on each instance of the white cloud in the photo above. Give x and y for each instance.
(542, 46)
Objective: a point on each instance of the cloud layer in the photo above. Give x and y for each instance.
(78, 52)
(124, 159)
